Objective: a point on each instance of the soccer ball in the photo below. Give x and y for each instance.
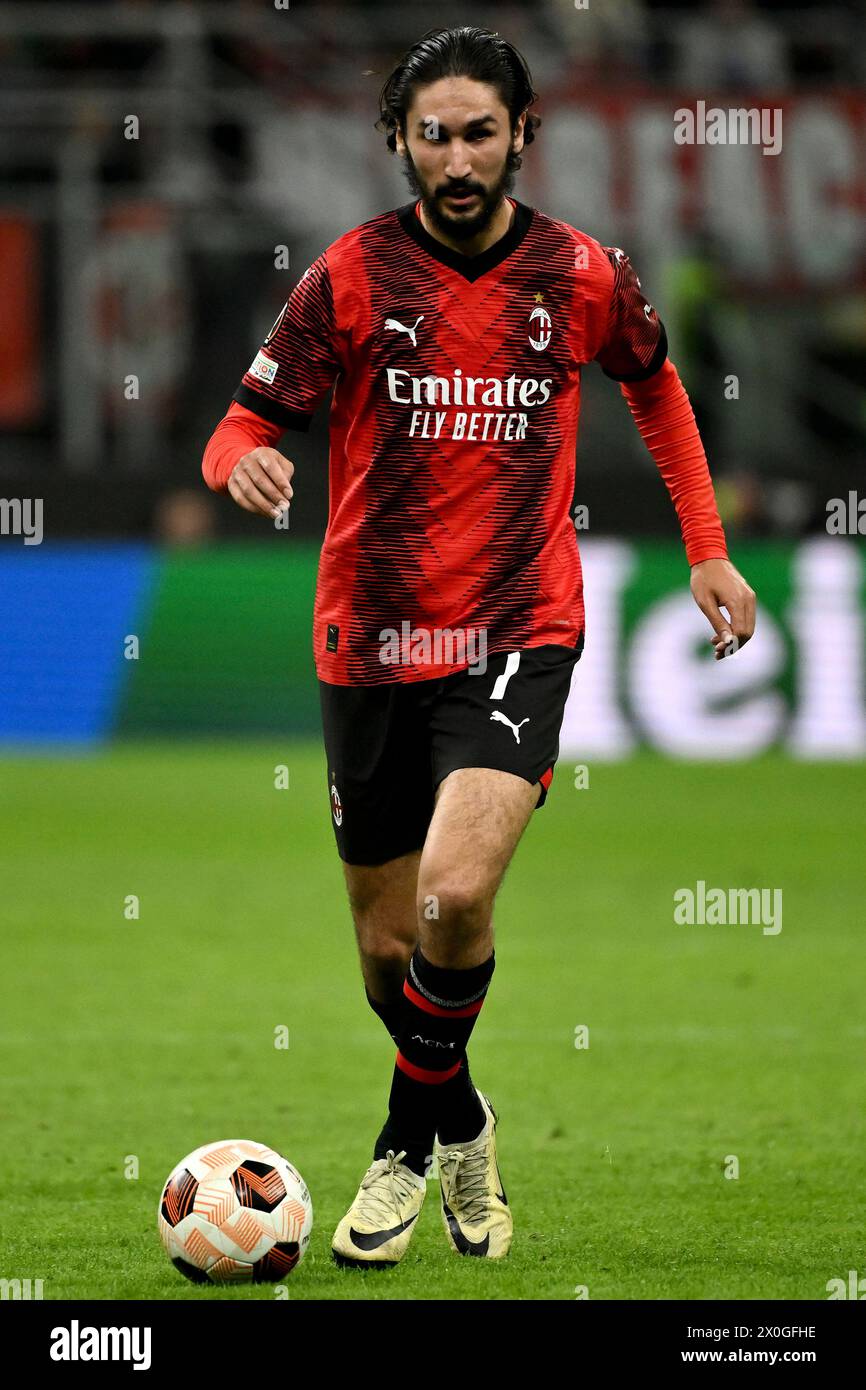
(235, 1212)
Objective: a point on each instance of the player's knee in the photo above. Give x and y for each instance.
(385, 938)
(387, 955)
(379, 891)
(378, 917)
(460, 903)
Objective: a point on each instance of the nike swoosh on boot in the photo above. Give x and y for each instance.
(371, 1240)
(464, 1245)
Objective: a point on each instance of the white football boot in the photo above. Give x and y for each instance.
(379, 1224)
(475, 1210)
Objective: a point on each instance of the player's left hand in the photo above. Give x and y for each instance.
(716, 584)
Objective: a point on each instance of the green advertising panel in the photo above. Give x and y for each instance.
(227, 649)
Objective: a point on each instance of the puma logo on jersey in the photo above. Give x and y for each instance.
(503, 719)
(399, 327)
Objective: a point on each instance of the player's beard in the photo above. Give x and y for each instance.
(461, 228)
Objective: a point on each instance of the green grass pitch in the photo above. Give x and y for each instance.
(150, 1037)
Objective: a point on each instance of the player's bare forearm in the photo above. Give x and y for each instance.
(717, 584)
(261, 482)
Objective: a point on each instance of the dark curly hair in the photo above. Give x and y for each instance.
(464, 52)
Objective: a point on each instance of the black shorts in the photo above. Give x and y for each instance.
(389, 746)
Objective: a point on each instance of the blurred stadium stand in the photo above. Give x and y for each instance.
(154, 256)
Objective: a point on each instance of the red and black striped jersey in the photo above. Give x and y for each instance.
(453, 432)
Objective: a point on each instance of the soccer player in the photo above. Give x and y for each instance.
(449, 612)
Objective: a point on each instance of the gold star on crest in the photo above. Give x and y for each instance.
(539, 298)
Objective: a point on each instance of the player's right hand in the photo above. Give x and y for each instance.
(261, 482)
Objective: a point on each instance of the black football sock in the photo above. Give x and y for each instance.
(439, 1010)
(460, 1108)
(461, 1116)
(388, 1012)
(418, 1153)
(388, 1137)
